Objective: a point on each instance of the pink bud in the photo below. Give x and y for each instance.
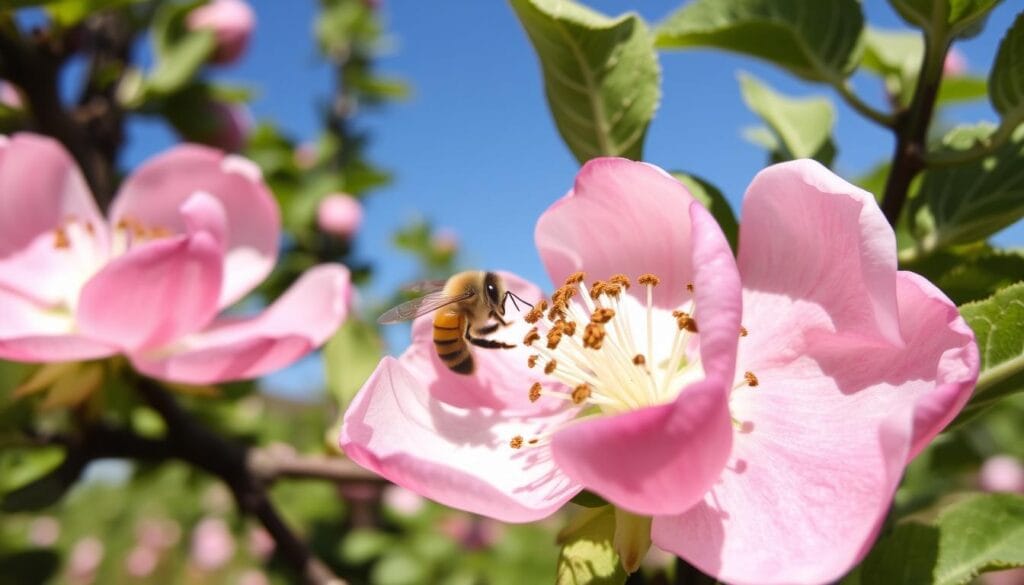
(261, 544)
(402, 501)
(1002, 473)
(9, 96)
(446, 241)
(955, 63)
(44, 531)
(212, 544)
(141, 562)
(339, 215)
(305, 155)
(86, 556)
(157, 534)
(231, 21)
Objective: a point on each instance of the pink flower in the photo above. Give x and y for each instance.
(261, 543)
(141, 561)
(212, 544)
(764, 427)
(9, 96)
(231, 21)
(340, 215)
(1002, 473)
(44, 531)
(955, 64)
(403, 502)
(85, 559)
(190, 233)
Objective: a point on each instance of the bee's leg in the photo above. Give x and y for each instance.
(487, 329)
(498, 319)
(488, 343)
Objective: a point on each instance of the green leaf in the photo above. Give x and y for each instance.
(814, 40)
(179, 64)
(969, 202)
(962, 88)
(363, 545)
(971, 274)
(588, 553)
(350, 357)
(70, 12)
(711, 198)
(998, 324)
(1006, 81)
(803, 126)
(896, 56)
(945, 17)
(601, 75)
(976, 534)
(20, 466)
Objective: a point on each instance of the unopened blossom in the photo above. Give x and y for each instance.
(9, 96)
(229, 126)
(189, 233)
(85, 558)
(212, 545)
(231, 22)
(261, 544)
(758, 412)
(339, 214)
(955, 64)
(141, 561)
(1002, 473)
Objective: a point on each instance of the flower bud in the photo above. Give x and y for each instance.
(212, 544)
(955, 64)
(9, 96)
(231, 21)
(227, 126)
(339, 215)
(1002, 473)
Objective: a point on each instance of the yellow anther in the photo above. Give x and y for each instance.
(602, 315)
(751, 379)
(535, 392)
(531, 336)
(568, 327)
(532, 360)
(689, 286)
(639, 359)
(593, 335)
(743, 331)
(554, 336)
(620, 280)
(550, 367)
(649, 279)
(575, 278)
(516, 442)
(685, 321)
(60, 239)
(580, 394)
(597, 289)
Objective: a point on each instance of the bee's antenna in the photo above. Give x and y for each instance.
(515, 297)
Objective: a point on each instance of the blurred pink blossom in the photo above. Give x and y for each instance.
(189, 233)
(9, 96)
(403, 502)
(157, 533)
(472, 532)
(446, 241)
(231, 21)
(253, 577)
(340, 215)
(1002, 473)
(261, 544)
(86, 556)
(955, 63)
(44, 531)
(305, 155)
(141, 561)
(213, 545)
(1010, 577)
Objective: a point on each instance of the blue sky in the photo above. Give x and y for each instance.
(475, 149)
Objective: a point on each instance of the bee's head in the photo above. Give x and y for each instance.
(494, 293)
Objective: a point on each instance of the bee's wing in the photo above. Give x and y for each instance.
(421, 306)
(423, 287)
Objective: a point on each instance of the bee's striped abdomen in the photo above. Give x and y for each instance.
(450, 343)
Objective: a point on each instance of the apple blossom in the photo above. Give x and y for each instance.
(231, 22)
(339, 214)
(955, 64)
(763, 426)
(212, 545)
(190, 233)
(1002, 473)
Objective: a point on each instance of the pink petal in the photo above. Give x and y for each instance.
(457, 456)
(161, 290)
(297, 323)
(621, 217)
(153, 195)
(824, 438)
(657, 460)
(799, 210)
(502, 379)
(30, 332)
(44, 199)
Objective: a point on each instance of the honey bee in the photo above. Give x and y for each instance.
(466, 305)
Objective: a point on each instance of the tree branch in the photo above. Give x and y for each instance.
(196, 444)
(912, 128)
